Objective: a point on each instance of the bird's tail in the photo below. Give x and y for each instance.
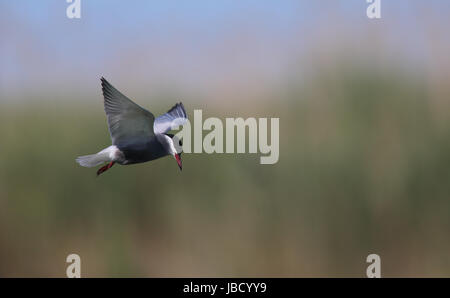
(93, 159)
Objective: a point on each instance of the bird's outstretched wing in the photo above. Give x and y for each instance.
(175, 117)
(127, 121)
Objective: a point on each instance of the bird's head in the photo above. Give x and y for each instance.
(175, 147)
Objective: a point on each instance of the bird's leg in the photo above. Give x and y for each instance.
(105, 168)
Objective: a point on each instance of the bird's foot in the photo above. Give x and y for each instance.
(105, 168)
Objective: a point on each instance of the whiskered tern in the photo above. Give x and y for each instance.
(137, 136)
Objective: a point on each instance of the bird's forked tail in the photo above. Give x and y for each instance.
(92, 160)
(106, 155)
(96, 159)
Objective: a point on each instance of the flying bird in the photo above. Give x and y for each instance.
(136, 135)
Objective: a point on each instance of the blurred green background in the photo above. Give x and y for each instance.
(364, 139)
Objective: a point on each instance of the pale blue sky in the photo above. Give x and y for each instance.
(192, 41)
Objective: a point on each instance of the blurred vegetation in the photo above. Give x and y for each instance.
(363, 168)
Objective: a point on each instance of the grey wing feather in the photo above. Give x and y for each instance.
(175, 117)
(127, 121)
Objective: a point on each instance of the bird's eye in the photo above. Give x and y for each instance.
(180, 143)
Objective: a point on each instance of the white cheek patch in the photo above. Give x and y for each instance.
(172, 148)
(167, 142)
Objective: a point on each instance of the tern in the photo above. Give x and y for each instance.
(136, 135)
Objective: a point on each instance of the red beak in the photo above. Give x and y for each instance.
(178, 158)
